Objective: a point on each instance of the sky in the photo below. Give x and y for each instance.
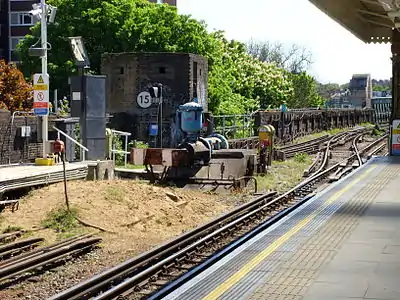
(336, 53)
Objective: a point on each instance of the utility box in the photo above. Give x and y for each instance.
(24, 131)
(130, 76)
(88, 103)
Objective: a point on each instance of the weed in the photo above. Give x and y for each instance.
(301, 157)
(134, 167)
(138, 145)
(12, 228)
(282, 176)
(320, 134)
(61, 220)
(114, 194)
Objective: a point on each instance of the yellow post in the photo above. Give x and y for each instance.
(265, 147)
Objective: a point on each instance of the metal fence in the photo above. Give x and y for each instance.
(382, 110)
(234, 126)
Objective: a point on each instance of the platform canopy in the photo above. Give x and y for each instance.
(371, 21)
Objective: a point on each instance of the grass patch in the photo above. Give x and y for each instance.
(282, 176)
(12, 228)
(319, 134)
(114, 194)
(61, 220)
(301, 157)
(134, 167)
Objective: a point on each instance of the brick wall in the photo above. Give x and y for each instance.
(14, 148)
(184, 77)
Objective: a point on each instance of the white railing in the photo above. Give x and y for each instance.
(114, 150)
(83, 148)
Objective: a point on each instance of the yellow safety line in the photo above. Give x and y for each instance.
(247, 268)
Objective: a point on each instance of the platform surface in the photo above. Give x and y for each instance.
(342, 244)
(15, 172)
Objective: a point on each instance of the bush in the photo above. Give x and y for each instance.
(15, 92)
(61, 220)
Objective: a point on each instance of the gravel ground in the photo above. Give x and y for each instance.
(157, 214)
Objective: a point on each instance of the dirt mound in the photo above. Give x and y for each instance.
(140, 215)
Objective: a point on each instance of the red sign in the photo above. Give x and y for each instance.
(40, 104)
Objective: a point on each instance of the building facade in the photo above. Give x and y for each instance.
(360, 87)
(15, 22)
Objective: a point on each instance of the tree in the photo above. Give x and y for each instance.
(382, 85)
(238, 82)
(295, 59)
(326, 90)
(15, 92)
(305, 92)
(113, 26)
(241, 84)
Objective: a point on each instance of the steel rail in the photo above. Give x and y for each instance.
(9, 271)
(126, 286)
(87, 289)
(130, 282)
(39, 251)
(97, 282)
(8, 249)
(355, 147)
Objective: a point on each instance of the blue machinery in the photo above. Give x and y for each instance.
(199, 148)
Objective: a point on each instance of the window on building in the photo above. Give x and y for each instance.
(160, 1)
(14, 42)
(21, 18)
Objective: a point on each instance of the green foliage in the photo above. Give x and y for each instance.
(63, 108)
(305, 92)
(12, 228)
(61, 220)
(138, 145)
(382, 85)
(118, 145)
(241, 84)
(113, 26)
(301, 157)
(238, 82)
(326, 90)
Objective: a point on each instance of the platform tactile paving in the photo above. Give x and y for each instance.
(301, 269)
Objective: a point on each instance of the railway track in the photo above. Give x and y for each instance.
(23, 261)
(156, 273)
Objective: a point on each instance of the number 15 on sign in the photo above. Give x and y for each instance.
(144, 100)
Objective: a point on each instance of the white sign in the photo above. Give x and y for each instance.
(41, 88)
(41, 94)
(144, 100)
(396, 137)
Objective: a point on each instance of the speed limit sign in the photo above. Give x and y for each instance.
(144, 100)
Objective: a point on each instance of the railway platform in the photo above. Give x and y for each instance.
(344, 243)
(25, 175)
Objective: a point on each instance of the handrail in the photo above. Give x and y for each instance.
(74, 141)
(114, 150)
(121, 132)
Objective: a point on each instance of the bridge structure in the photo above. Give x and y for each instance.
(373, 21)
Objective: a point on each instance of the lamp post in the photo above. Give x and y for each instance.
(41, 11)
(43, 38)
